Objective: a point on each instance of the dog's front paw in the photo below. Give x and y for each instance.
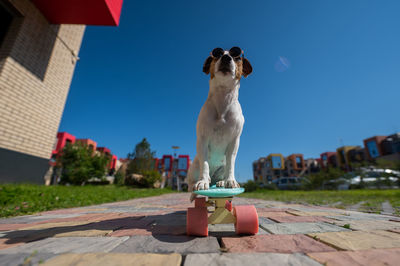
(231, 184)
(201, 185)
(220, 184)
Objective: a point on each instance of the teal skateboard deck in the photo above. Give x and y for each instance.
(218, 192)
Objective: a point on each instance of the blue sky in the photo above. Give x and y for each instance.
(324, 73)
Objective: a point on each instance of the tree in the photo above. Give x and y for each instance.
(79, 163)
(318, 180)
(141, 162)
(141, 158)
(386, 164)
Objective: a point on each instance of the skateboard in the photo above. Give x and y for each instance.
(221, 211)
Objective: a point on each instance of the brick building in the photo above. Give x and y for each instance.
(39, 44)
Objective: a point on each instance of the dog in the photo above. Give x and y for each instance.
(220, 122)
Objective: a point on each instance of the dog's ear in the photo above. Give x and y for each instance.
(207, 65)
(247, 68)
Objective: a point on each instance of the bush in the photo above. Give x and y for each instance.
(270, 186)
(317, 180)
(119, 178)
(146, 179)
(150, 177)
(79, 163)
(250, 185)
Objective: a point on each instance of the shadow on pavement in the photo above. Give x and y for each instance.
(159, 226)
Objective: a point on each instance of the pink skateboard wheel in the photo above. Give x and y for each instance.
(246, 220)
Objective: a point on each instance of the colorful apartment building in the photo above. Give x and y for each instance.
(343, 157)
(39, 46)
(269, 168)
(173, 169)
(294, 165)
(373, 147)
(391, 145)
(328, 159)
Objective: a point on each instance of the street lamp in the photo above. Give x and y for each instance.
(175, 148)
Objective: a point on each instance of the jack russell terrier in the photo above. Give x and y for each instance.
(220, 122)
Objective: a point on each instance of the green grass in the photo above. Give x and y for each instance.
(27, 199)
(339, 199)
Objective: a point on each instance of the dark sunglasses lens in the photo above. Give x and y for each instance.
(235, 51)
(217, 52)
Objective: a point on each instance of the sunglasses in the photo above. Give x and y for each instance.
(235, 52)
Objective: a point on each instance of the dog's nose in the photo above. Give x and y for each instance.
(226, 59)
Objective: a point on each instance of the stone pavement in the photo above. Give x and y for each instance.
(151, 231)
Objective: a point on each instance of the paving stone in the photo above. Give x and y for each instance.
(395, 230)
(271, 209)
(168, 244)
(167, 229)
(27, 219)
(356, 206)
(53, 216)
(273, 214)
(359, 240)
(5, 245)
(221, 228)
(387, 208)
(64, 211)
(311, 208)
(86, 233)
(147, 227)
(274, 244)
(8, 227)
(119, 222)
(264, 220)
(255, 259)
(301, 228)
(54, 225)
(24, 258)
(131, 232)
(373, 257)
(368, 225)
(68, 244)
(360, 216)
(168, 219)
(315, 213)
(106, 259)
(92, 217)
(301, 219)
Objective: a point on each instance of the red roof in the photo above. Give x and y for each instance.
(88, 12)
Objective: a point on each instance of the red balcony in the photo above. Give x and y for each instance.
(88, 142)
(104, 150)
(62, 139)
(88, 12)
(113, 162)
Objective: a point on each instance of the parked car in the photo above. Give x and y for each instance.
(288, 183)
(376, 178)
(340, 183)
